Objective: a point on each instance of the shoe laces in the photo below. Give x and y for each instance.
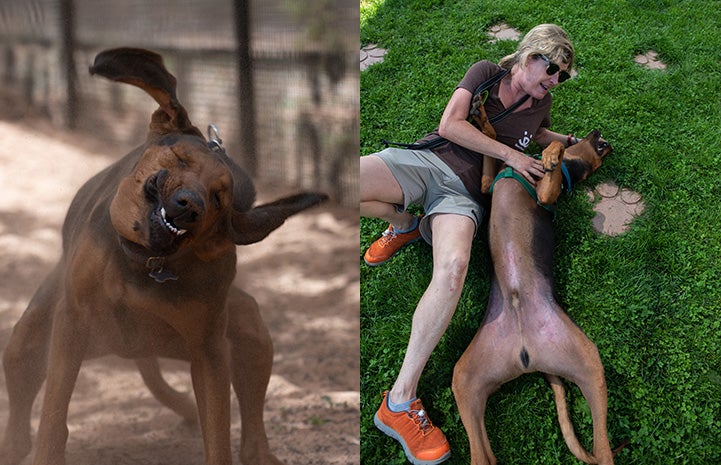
(420, 418)
(388, 235)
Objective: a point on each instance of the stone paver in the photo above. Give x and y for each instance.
(370, 55)
(503, 32)
(615, 208)
(650, 60)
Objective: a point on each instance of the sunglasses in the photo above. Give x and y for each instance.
(552, 68)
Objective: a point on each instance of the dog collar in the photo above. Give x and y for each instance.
(155, 264)
(566, 177)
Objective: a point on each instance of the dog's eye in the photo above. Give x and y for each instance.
(217, 200)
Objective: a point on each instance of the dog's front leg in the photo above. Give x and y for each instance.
(549, 186)
(25, 360)
(251, 352)
(67, 350)
(211, 382)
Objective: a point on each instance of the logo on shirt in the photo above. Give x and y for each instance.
(523, 143)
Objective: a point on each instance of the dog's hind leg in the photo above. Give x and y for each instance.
(489, 361)
(25, 364)
(176, 401)
(251, 358)
(471, 396)
(592, 383)
(578, 360)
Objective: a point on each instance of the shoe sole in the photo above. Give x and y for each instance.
(394, 253)
(411, 458)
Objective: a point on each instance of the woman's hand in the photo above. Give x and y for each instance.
(528, 167)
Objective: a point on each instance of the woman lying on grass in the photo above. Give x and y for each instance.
(445, 179)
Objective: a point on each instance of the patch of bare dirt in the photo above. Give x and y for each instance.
(305, 277)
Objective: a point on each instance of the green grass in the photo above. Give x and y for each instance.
(650, 299)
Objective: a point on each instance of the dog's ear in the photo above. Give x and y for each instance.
(255, 224)
(250, 225)
(145, 69)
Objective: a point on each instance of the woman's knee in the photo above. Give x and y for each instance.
(452, 267)
(452, 242)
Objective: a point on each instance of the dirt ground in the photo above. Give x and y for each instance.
(305, 277)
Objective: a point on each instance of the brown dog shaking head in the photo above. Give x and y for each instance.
(182, 193)
(174, 209)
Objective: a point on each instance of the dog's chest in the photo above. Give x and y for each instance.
(129, 334)
(141, 317)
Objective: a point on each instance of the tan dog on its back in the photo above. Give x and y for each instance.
(146, 271)
(524, 329)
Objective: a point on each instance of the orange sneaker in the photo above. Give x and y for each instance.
(423, 443)
(389, 244)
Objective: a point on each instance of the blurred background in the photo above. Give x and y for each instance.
(279, 78)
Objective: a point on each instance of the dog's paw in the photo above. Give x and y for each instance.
(552, 156)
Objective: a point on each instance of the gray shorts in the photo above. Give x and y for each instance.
(426, 180)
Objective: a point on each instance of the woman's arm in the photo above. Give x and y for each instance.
(545, 136)
(455, 127)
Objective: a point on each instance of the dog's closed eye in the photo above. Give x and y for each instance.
(217, 200)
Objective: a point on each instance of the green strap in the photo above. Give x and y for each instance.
(508, 172)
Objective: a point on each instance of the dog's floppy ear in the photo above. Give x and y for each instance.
(255, 224)
(252, 224)
(145, 69)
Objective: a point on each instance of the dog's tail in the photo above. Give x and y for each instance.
(559, 394)
(163, 392)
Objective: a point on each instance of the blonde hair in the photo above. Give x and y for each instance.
(545, 39)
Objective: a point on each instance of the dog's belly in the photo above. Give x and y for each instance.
(527, 328)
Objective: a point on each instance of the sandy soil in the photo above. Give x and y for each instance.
(305, 277)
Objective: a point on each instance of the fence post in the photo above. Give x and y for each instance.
(246, 99)
(67, 58)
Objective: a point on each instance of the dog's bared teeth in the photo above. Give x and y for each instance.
(173, 229)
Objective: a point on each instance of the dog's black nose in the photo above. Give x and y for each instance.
(185, 207)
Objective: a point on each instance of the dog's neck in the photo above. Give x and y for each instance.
(151, 261)
(578, 169)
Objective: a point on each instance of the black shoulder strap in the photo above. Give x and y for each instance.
(482, 87)
(490, 82)
(508, 110)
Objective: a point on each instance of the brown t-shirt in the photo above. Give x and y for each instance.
(516, 130)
